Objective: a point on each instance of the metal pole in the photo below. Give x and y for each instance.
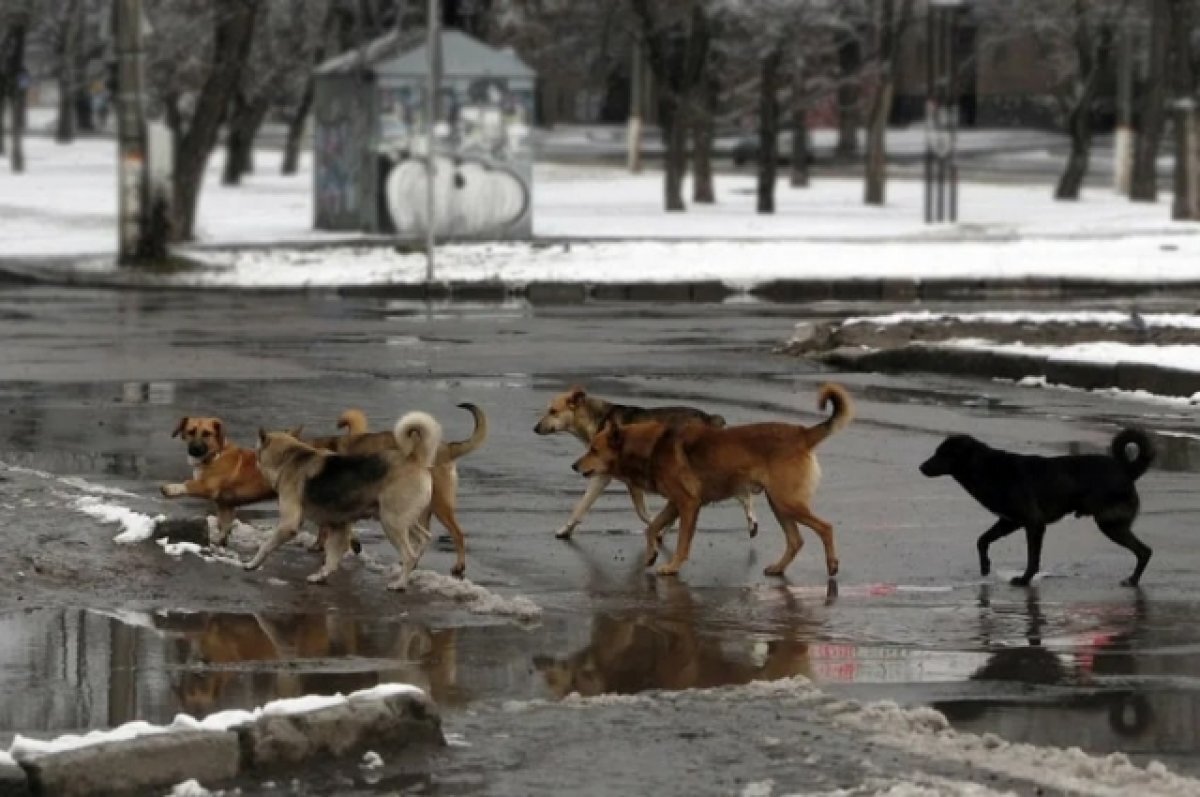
(930, 114)
(952, 90)
(431, 119)
(635, 111)
(1123, 141)
(131, 129)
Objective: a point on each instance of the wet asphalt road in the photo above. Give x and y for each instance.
(94, 634)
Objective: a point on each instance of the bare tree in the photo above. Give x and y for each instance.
(676, 40)
(196, 59)
(1184, 66)
(1152, 113)
(891, 22)
(19, 18)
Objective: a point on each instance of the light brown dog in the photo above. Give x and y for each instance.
(444, 471)
(581, 415)
(334, 490)
(697, 464)
(222, 471)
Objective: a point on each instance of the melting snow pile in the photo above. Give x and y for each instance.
(135, 526)
(477, 599)
(1099, 318)
(24, 748)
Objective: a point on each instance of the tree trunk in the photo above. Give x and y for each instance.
(875, 192)
(17, 88)
(233, 22)
(244, 122)
(674, 130)
(1144, 185)
(849, 55)
(799, 177)
(295, 131)
(68, 61)
(1183, 83)
(1079, 127)
(768, 129)
(3, 104)
(704, 126)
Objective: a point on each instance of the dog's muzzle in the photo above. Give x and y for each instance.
(933, 467)
(539, 429)
(197, 450)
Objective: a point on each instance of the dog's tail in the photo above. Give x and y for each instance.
(354, 421)
(843, 412)
(418, 435)
(1135, 461)
(460, 448)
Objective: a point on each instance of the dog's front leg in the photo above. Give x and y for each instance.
(595, 486)
(654, 531)
(1002, 528)
(639, 504)
(1034, 532)
(413, 542)
(747, 501)
(289, 524)
(225, 518)
(688, 515)
(193, 488)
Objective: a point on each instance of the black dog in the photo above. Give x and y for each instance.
(1032, 492)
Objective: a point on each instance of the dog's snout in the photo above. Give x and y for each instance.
(537, 427)
(196, 449)
(575, 467)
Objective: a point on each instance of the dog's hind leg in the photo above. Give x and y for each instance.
(443, 509)
(595, 486)
(1119, 532)
(337, 542)
(791, 531)
(1002, 529)
(1034, 533)
(747, 501)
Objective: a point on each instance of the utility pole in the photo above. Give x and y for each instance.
(131, 130)
(636, 102)
(433, 85)
(941, 111)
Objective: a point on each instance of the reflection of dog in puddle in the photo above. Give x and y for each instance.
(1129, 713)
(635, 651)
(251, 659)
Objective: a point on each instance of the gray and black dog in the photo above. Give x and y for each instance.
(1031, 492)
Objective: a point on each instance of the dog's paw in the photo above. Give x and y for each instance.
(355, 545)
(565, 532)
(753, 530)
(773, 570)
(650, 558)
(1129, 582)
(173, 490)
(458, 571)
(1021, 581)
(831, 567)
(668, 570)
(985, 568)
(317, 578)
(398, 585)
(249, 566)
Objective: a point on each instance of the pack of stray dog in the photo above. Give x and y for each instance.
(408, 475)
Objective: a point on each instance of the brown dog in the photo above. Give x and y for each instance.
(222, 471)
(697, 464)
(582, 415)
(444, 471)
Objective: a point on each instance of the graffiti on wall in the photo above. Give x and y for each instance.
(337, 149)
(481, 163)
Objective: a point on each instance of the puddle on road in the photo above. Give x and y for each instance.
(76, 669)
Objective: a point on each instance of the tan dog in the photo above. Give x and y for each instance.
(582, 415)
(222, 472)
(697, 464)
(334, 490)
(445, 470)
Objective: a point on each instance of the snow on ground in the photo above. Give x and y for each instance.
(1112, 392)
(24, 748)
(476, 598)
(1183, 357)
(135, 526)
(1095, 317)
(65, 204)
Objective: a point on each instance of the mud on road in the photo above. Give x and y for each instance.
(97, 633)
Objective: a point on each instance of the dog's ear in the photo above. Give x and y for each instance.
(296, 431)
(616, 436)
(575, 396)
(219, 429)
(262, 436)
(180, 426)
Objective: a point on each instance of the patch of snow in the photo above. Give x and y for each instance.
(24, 748)
(207, 554)
(1183, 357)
(1114, 392)
(926, 732)
(189, 788)
(760, 788)
(1102, 318)
(918, 784)
(96, 489)
(6, 759)
(371, 760)
(476, 598)
(456, 740)
(135, 526)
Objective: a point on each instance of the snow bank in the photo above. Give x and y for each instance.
(1101, 318)
(209, 554)
(918, 784)
(477, 599)
(135, 526)
(24, 748)
(189, 788)
(926, 732)
(6, 759)
(1113, 392)
(1184, 357)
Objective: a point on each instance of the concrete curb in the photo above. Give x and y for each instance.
(271, 741)
(557, 292)
(995, 365)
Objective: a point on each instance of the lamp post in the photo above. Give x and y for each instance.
(941, 111)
